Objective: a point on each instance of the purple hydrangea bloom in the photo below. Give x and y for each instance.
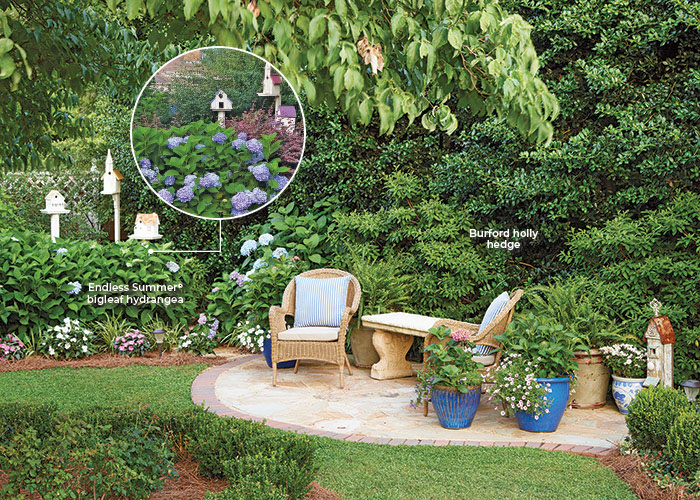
(254, 146)
(243, 136)
(166, 196)
(202, 319)
(174, 142)
(190, 180)
(199, 146)
(237, 213)
(241, 201)
(209, 180)
(238, 143)
(259, 196)
(169, 180)
(185, 194)
(281, 182)
(255, 159)
(185, 139)
(240, 278)
(260, 172)
(219, 138)
(145, 163)
(150, 175)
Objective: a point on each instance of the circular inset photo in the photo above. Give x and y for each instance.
(217, 133)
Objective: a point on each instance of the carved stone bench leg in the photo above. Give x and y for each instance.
(392, 349)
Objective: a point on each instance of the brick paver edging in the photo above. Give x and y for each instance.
(203, 393)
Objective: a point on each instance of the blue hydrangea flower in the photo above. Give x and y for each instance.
(237, 213)
(61, 251)
(169, 180)
(265, 239)
(282, 181)
(243, 136)
(279, 252)
(219, 138)
(248, 247)
(258, 264)
(260, 172)
(174, 142)
(259, 196)
(76, 288)
(209, 180)
(190, 180)
(254, 146)
(204, 157)
(257, 158)
(185, 194)
(145, 163)
(172, 266)
(241, 201)
(238, 143)
(199, 146)
(166, 196)
(150, 175)
(173, 109)
(185, 139)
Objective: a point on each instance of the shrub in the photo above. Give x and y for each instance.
(68, 340)
(133, 343)
(684, 442)
(209, 171)
(201, 339)
(45, 282)
(651, 414)
(250, 489)
(274, 467)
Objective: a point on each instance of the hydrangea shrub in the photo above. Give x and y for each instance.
(210, 171)
(201, 339)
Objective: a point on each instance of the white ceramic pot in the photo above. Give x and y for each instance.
(624, 390)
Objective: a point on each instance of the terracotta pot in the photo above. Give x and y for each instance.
(363, 352)
(592, 380)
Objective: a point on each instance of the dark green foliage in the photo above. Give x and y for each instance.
(36, 281)
(684, 442)
(282, 472)
(651, 415)
(250, 489)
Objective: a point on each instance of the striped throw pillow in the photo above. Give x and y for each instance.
(320, 302)
(496, 307)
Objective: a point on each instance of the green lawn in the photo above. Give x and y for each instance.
(356, 471)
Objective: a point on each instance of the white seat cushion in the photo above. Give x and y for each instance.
(485, 360)
(310, 333)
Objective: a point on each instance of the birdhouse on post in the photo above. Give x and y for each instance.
(659, 337)
(111, 179)
(146, 227)
(220, 104)
(271, 86)
(287, 116)
(55, 207)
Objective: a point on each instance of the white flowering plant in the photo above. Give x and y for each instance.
(516, 387)
(201, 339)
(625, 360)
(68, 340)
(251, 335)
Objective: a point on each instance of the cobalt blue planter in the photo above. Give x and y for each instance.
(267, 351)
(559, 399)
(455, 410)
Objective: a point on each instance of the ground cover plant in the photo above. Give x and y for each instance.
(209, 171)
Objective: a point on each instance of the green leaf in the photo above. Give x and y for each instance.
(398, 22)
(454, 37)
(341, 8)
(5, 45)
(133, 8)
(7, 66)
(317, 27)
(316, 258)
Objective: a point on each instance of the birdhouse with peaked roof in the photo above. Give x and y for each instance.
(146, 227)
(55, 203)
(111, 179)
(659, 337)
(271, 83)
(221, 102)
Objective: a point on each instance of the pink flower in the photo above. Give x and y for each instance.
(121, 348)
(460, 335)
(131, 347)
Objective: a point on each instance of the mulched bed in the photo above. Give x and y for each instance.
(109, 360)
(629, 469)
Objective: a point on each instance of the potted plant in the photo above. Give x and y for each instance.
(383, 290)
(629, 366)
(569, 303)
(451, 379)
(539, 351)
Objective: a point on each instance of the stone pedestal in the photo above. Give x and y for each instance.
(392, 349)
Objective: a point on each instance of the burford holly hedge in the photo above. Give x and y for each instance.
(208, 170)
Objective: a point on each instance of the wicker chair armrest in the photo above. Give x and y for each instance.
(277, 323)
(345, 323)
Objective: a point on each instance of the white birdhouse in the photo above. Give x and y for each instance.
(660, 338)
(55, 203)
(146, 227)
(220, 104)
(271, 86)
(112, 177)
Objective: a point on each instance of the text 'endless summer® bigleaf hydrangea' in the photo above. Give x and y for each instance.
(210, 171)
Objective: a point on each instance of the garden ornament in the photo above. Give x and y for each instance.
(55, 206)
(112, 186)
(659, 338)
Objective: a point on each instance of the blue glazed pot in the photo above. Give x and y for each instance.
(559, 399)
(455, 410)
(267, 351)
(624, 391)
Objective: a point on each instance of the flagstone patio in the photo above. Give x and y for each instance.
(379, 410)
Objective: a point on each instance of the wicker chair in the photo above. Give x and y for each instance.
(331, 351)
(496, 327)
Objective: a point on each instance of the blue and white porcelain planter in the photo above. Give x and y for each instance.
(624, 390)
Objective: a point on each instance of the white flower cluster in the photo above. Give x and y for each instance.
(67, 340)
(251, 337)
(627, 352)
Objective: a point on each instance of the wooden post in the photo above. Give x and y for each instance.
(55, 227)
(117, 225)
